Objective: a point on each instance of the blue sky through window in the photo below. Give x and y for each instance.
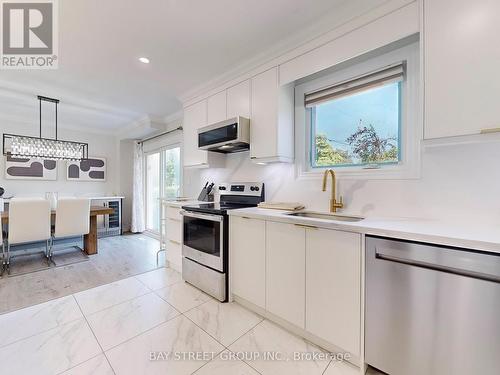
(340, 118)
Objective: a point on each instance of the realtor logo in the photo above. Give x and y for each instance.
(29, 34)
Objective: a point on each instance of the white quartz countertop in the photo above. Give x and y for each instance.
(471, 234)
(179, 204)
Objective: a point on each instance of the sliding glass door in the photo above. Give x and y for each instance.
(171, 172)
(153, 192)
(163, 180)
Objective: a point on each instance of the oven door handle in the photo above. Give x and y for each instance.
(210, 217)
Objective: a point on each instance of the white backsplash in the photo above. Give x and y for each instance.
(457, 182)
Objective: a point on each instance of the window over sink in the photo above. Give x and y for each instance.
(362, 119)
(357, 122)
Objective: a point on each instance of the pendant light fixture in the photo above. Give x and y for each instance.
(44, 148)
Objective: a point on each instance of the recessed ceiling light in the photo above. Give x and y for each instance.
(144, 60)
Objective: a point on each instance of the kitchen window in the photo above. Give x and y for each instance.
(357, 123)
(362, 120)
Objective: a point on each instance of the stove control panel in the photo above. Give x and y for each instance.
(242, 188)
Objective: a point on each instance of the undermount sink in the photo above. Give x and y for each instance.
(332, 217)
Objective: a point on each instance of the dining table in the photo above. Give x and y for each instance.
(89, 239)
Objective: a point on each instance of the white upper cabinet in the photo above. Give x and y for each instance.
(333, 287)
(263, 132)
(462, 58)
(248, 259)
(216, 108)
(195, 117)
(285, 271)
(271, 125)
(238, 100)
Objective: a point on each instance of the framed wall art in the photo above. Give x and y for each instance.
(92, 169)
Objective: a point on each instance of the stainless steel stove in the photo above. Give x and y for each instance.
(205, 237)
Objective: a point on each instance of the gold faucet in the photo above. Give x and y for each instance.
(334, 205)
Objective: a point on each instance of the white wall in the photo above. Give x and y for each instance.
(457, 181)
(100, 145)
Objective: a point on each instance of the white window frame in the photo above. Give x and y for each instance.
(168, 145)
(411, 119)
(149, 231)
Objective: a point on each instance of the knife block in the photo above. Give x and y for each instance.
(205, 196)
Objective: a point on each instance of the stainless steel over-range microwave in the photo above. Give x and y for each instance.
(227, 136)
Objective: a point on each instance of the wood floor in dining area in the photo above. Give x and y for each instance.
(119, 257)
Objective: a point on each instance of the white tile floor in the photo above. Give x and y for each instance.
(116, 328)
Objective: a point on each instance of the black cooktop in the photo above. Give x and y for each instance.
(215, 208)
(232, 196)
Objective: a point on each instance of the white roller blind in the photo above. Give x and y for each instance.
(163, 141)
(391, 74)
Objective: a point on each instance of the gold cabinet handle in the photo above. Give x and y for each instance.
(490, 130)
(306, 226)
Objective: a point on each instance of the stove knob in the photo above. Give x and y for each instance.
(256, 188)
(252, 188)
(222, 188)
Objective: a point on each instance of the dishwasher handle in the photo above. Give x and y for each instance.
(464, 262)
(438, 267)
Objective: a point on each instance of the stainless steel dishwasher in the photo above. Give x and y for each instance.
(431, 310)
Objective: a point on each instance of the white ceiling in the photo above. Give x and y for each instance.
(189, 42)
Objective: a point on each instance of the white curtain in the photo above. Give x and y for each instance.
(138, 221)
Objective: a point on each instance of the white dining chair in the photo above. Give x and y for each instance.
(29, 221)
(72, 218)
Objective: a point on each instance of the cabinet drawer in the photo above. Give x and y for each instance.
(174, 213)
(174, 230)
(174, 254)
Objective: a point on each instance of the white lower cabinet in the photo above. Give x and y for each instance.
(307, 276)
(333, 287)
(285, 271)
(171, 236)
(248, 259)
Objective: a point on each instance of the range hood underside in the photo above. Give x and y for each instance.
(231, 148)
